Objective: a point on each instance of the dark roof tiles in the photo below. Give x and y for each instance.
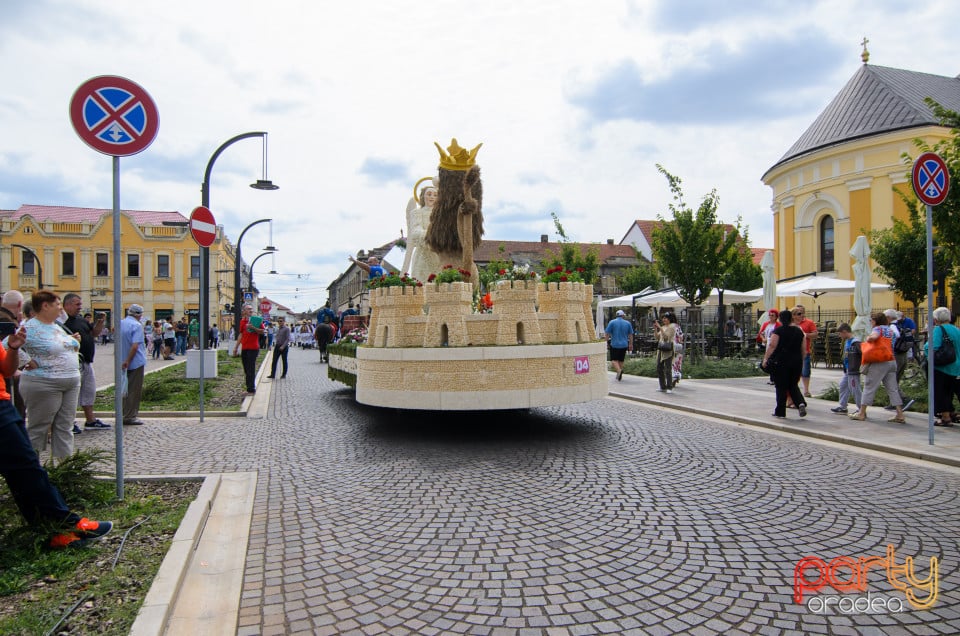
(877, 99)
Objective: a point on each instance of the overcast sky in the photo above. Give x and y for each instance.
(575, 103)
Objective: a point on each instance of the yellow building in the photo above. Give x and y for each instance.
(840, 179)
(160, 268)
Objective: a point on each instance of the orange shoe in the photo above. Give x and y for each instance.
(84, 530)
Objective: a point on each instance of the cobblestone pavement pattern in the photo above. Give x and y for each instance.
(601, 518)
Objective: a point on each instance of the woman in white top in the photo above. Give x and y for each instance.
(51, 382)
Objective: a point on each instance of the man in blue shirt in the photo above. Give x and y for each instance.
(326, 315)
(372, 267)
(620, 335)
(133, 354)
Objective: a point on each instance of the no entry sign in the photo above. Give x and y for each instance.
(931, 179)
(202, 226)
(114, 116)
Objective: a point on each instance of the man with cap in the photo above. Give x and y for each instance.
(620, 336)
(134, 355)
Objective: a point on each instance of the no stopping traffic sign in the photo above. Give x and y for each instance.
(931, 179)
(114, 116)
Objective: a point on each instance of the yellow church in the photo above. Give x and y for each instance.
(840, 178)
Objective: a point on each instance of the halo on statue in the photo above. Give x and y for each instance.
(416, 187)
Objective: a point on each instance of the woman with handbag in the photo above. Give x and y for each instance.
(946, 366)
(783, 360)
(666, 333)
(879, 367)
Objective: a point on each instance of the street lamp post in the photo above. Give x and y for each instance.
(261, 184)
(237, 292)
(259, 256)
(35, 260)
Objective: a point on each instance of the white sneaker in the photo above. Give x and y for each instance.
(669, 390)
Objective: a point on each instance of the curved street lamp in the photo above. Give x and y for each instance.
(238, 294)
(260, 184)
(259, 256)
(36, 261)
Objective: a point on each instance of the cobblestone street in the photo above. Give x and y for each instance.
(600, 518)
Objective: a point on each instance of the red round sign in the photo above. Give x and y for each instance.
(114, 116)
(202, 226)
(265, 306)
(931, 179)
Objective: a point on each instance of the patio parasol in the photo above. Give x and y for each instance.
(769, 284)
(862, 293)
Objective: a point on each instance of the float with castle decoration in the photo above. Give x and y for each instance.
(428, 348)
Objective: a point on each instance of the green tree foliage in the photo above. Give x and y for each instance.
(742, 274)
(693, 251)
(897, 252)
(638, 278)
(572, 257)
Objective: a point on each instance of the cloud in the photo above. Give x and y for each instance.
(689, 15)
(18, 187)
(385, 170)
(535, 178)
(731, 85)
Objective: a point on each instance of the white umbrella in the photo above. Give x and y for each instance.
(730, 297)
(769, 284)
(862, 293)
(598, 325)
(819, 285)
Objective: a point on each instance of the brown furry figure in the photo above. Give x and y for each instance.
(456, 221)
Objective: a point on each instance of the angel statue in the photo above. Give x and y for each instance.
(420, 261)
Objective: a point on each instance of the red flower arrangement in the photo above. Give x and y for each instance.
(558, 274)
(449, 274)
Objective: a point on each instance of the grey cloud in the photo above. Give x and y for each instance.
(688, 15)
(385, 170)
(765, 79)
(18, 188)
(534, 178)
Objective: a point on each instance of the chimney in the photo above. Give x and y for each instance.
(609, 241)
(543, 238)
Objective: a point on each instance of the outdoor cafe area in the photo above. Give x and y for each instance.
(704, 327)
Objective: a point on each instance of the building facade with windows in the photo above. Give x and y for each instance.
(844, 176)
(160, 266)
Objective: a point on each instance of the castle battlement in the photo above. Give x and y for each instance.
(441, 315)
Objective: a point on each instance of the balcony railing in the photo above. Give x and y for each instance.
(102, 282)
(132, 283)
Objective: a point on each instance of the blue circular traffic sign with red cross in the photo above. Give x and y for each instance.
(114, 116)
(931, 179)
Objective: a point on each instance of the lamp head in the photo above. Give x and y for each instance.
(264, 184)
(270, 248)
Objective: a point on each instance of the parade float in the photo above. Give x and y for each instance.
(428, 347)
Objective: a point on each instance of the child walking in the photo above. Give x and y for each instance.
(850, 382)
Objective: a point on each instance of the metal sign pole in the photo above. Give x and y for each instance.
(204, 258)
(930, 407)
(117, 339)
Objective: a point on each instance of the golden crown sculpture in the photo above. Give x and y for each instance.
(457, 158)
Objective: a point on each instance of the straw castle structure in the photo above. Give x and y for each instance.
(426, 348)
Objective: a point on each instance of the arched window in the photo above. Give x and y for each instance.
(826, 244)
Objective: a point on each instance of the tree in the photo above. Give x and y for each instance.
(898, 250)
(638, 278)
(693, 251)
(571, 256)
(742, 274)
